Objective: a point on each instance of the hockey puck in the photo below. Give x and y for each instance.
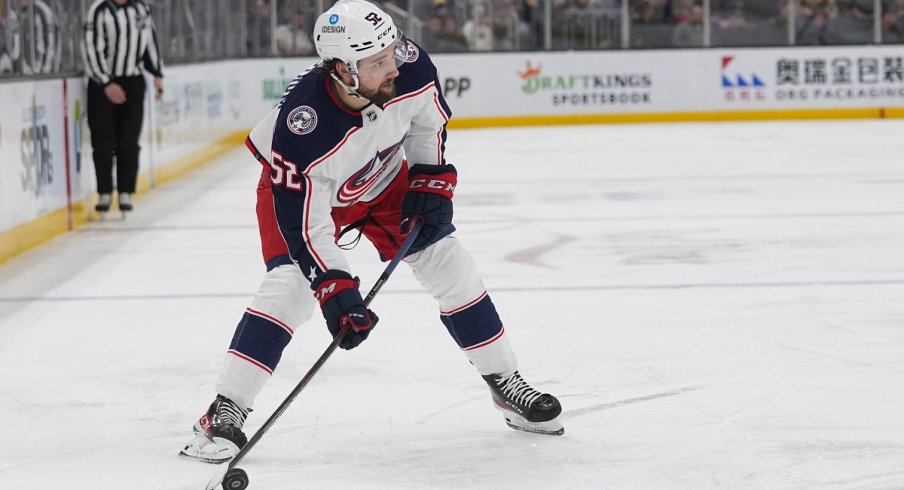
(235, 479)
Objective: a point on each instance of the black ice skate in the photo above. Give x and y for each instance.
(103, 203)
(218, 433)
(524, 407)
(125, 201)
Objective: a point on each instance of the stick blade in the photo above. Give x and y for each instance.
(217, 479)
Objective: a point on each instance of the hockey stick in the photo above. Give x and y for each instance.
(239, 479)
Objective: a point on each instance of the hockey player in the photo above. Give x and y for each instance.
(358, 142)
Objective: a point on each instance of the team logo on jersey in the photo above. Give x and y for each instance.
(302, 120)
(371, 115)
(409, 53)
(361, 181)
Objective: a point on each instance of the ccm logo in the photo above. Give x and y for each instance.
(324, 291)
(437, 184)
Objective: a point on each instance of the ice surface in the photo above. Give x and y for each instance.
(716, 305)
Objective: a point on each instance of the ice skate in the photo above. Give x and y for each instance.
(525, 408)
(218, 433)
(103, 203)
(125, 202)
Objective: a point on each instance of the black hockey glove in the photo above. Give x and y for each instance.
(341, 302)
(429, 199)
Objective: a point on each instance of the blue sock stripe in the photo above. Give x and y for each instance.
(475, 324)
(260, 339)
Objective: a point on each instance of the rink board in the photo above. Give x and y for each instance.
(46, 173)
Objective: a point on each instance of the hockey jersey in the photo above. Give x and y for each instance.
(322, 155)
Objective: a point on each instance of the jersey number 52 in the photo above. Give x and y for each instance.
(284, 172)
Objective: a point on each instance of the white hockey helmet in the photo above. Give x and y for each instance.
(352, 30)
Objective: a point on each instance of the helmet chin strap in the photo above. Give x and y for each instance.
(353, 91)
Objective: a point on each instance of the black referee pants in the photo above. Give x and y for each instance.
(115, 130)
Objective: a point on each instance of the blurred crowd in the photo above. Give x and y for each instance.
(44, 36)
(734, 23)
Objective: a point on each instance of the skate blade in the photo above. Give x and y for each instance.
(202, 449)
(552, 427)
(105, 216)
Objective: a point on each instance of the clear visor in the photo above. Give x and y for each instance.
(386, 61)
(401, 49)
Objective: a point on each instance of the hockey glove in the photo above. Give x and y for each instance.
(429, 199)
(341, 302)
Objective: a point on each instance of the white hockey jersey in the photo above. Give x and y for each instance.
(322, 155)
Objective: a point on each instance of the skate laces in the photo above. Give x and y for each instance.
(227, 412)
(518, 390)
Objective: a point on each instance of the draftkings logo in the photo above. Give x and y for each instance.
(581, 89)
(739, 85)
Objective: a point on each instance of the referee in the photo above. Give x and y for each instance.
(120, 39)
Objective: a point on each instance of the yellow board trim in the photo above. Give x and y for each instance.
(771, 115)
(29, 235)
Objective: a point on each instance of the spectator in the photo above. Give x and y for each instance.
(650, 25)
(443, 32)
(258, 25)
(893, 22)
(478, 31)
(292, 37)
(647, 12)
(731, 29)
(682, 11)
(507, 25)
(689, 33)
(852, 25)
(811, 22)
(532, 12)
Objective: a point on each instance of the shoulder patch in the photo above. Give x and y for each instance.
(302, 120)
(411, 52)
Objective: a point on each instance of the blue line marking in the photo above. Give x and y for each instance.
(521, 289)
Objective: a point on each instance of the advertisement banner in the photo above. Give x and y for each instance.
(205, 102)
(808, 78)
(498, 85)
(32, 173)
(631, 82)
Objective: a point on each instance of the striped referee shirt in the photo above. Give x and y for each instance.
(119, 39)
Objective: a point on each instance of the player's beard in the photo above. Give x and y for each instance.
(381, 95)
